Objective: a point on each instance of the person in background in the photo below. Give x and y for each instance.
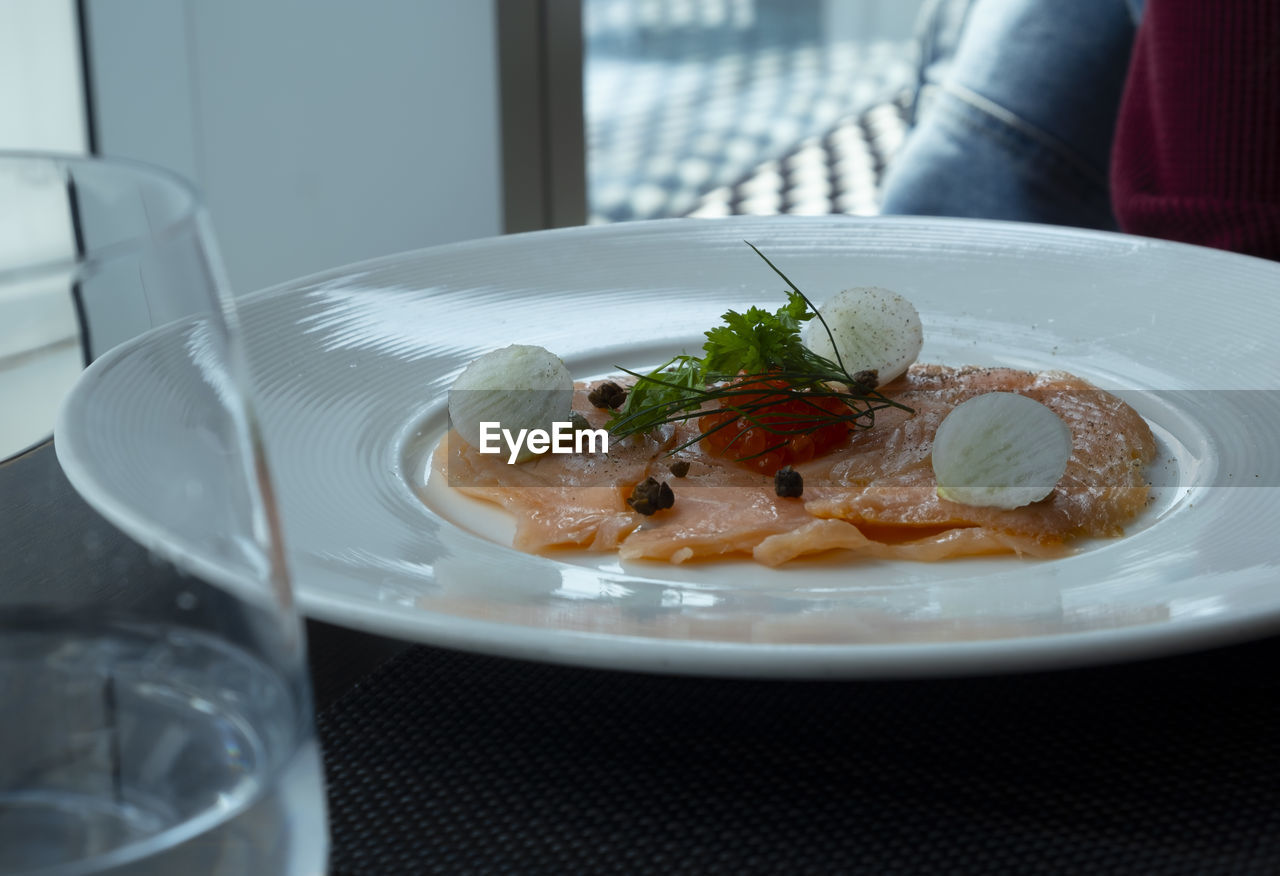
(1159, 118)
(1197, 144)
(1015, 111)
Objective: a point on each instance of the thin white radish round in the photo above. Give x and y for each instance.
(873, 328)
(518, 387)
(1000, 450)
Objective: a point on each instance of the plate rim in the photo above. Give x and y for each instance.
(799, 661)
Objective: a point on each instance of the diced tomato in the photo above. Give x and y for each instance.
(787, 431)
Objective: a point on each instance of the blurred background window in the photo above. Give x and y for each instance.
(42, 102)
(323, 132)
(742, 106)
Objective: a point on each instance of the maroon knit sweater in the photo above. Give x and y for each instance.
(1197, 149)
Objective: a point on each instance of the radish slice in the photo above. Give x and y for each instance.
(1000, 450)
(518, 387)
(874, 330)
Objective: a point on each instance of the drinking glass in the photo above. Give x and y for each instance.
(155, 715)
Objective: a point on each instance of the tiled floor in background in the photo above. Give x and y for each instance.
(684, 97)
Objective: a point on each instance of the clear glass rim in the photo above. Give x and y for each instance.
(191, 206)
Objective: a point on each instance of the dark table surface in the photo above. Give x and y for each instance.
(445, 762)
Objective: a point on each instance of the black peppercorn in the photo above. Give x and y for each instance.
(680, 468)
(788, 483)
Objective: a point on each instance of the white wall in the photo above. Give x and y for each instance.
(321, 131)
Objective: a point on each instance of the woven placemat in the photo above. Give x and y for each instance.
(443, 762)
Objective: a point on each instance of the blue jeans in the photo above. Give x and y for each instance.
(1015, 111)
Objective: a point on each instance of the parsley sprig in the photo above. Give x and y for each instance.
(748, 350)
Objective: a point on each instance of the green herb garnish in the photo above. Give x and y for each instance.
(747, 349)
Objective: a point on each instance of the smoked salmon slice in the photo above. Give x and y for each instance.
(873, 496)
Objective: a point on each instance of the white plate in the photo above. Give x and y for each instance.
(353, 368)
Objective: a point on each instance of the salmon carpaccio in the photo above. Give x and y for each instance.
(874, 496)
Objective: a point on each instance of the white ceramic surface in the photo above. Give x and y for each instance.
(353, 368)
